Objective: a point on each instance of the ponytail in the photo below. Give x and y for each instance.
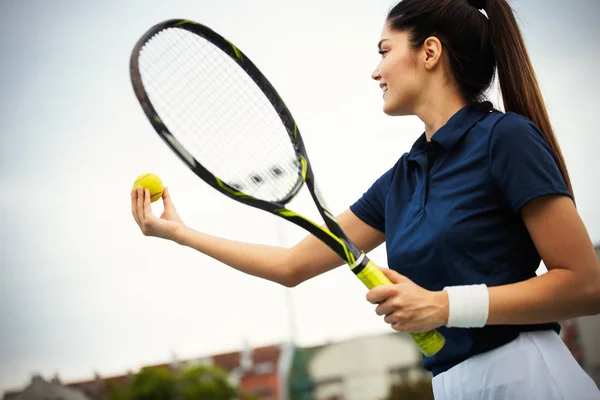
(518, 84)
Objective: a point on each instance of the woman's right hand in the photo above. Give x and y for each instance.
(164, 227)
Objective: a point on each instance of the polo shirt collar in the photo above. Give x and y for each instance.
(456, 127)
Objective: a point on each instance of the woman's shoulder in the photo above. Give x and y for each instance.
(510, 123)
(510, 129)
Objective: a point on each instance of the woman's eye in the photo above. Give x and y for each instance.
(382, 52)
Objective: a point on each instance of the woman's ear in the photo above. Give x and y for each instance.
(433, 52)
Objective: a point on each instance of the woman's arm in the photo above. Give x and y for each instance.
(287, 266)
(570, 288)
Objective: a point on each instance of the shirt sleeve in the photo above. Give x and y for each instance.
(522, 163)
(370, 208)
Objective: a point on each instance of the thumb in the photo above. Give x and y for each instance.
(392, 275)
(167, 199)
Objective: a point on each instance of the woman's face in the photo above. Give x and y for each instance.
(397, 73)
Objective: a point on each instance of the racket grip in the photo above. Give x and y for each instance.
(430, 342)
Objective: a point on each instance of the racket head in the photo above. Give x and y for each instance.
(292, 158)
(285, 133)
(217, 111)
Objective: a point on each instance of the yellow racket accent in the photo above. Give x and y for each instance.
(284, 212)
(233, 192)
(235, 50)
(304, 167)
(186, 21)
(430, 342)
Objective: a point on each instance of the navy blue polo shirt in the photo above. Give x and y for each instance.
(450, 210)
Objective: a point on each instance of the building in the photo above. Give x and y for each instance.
(256, 371)
(362, 368)
(99, 388)
(358, 369)
(39, 389)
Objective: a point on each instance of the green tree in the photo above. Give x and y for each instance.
(119, 391)
(200, 382)
(205, 382)
(154, 383)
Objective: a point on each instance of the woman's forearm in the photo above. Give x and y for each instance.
(287, 266)
(556, 295)
(268, 262)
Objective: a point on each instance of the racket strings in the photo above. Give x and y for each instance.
(218, 114)
(195, 103)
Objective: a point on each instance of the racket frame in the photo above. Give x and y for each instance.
(332, 234)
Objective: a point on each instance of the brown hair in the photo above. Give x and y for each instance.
(476, 47)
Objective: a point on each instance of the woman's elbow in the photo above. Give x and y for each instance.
(293, 273)
(289, 280)
(596, 298)
(593, 294)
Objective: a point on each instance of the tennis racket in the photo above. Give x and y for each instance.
(226, 122)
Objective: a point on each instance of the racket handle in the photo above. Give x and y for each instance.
(430, 342)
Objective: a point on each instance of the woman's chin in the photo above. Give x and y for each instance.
(394, 111)
(388, 110)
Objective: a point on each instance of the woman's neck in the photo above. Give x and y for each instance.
(437, 109)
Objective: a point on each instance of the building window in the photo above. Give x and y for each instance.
(264, 368)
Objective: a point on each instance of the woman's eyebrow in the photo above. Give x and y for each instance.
(380, 42)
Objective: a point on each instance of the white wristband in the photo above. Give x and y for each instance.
(468, 306)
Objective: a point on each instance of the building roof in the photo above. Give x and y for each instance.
(39, 389)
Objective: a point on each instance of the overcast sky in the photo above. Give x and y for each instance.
(82, 291)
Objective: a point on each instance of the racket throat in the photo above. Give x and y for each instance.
(358, 265)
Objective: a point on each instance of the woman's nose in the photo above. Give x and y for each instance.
(375, 74)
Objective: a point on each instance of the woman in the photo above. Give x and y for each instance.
(467, 214)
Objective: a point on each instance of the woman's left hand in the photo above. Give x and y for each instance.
(407, 306)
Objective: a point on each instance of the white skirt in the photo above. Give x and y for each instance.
(536, 365)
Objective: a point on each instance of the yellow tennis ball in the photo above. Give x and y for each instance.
(152, 183)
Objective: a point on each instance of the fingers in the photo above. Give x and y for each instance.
(390, 319)
(147, 206)
(400, 320)
(401, 326)
(134, 211)
(392, 275)
(140, 205)
(389, 305)
(166, 196)
(386, 307)
(379, 294)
